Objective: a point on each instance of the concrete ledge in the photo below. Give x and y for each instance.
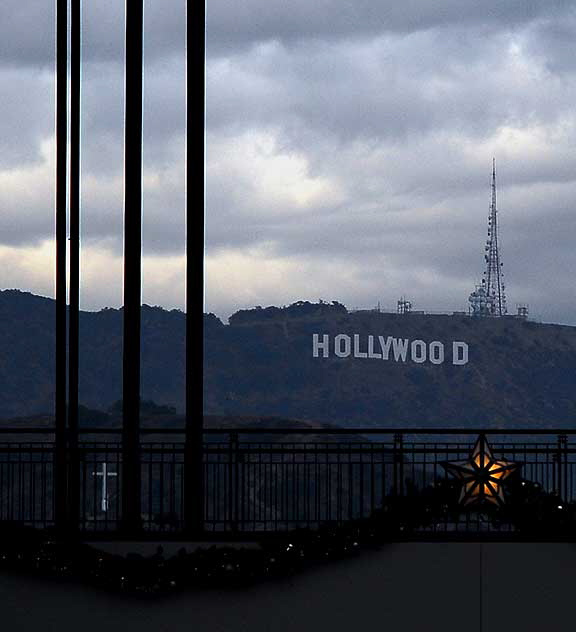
(403, 587)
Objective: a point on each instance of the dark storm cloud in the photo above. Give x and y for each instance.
(27, 30)
(27, 33)
(233, 25)
(382, 88)
(552, 42)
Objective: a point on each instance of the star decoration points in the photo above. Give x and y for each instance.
(482, 475)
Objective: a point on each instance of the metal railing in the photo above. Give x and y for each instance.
(270, 481)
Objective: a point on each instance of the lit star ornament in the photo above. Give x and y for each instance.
(482, 475)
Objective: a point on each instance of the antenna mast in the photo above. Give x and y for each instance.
(489, 299)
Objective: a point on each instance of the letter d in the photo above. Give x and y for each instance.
(459, 353)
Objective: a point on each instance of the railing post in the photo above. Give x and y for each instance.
(233, 480)
(398, 464)
(561, 461)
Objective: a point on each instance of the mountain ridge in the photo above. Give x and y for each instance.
(261, 364)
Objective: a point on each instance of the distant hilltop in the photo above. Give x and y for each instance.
(389, 369)
(379, 368)
(300, 309)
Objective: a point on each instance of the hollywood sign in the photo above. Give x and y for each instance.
(389, 348)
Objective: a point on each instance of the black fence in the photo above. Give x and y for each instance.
(272, 482)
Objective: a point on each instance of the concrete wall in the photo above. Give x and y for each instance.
(420, 587)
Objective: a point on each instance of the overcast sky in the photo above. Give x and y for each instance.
(349, 150)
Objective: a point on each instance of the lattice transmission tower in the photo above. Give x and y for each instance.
(489, 298)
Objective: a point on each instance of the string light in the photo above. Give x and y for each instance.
(26, 550)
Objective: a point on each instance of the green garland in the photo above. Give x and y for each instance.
(529, 511)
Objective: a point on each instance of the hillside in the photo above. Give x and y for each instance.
(27, 359)
(518, 373)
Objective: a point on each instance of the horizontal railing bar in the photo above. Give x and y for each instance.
(247, 451)
(282, 535)
(16, 430)
(404, 431)
(328, 431)
(114, 431)
(309, 449)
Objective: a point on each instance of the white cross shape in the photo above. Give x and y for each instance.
(104, 474)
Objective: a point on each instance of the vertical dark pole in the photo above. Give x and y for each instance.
(195, 88)
(73, 331)
(132, 264)
(60, 492)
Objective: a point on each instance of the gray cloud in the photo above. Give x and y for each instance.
(349, 148)
(552, 42)
(234, 25)
(27, 31)
(27, 116)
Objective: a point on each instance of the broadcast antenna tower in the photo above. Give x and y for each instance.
(489, 299)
